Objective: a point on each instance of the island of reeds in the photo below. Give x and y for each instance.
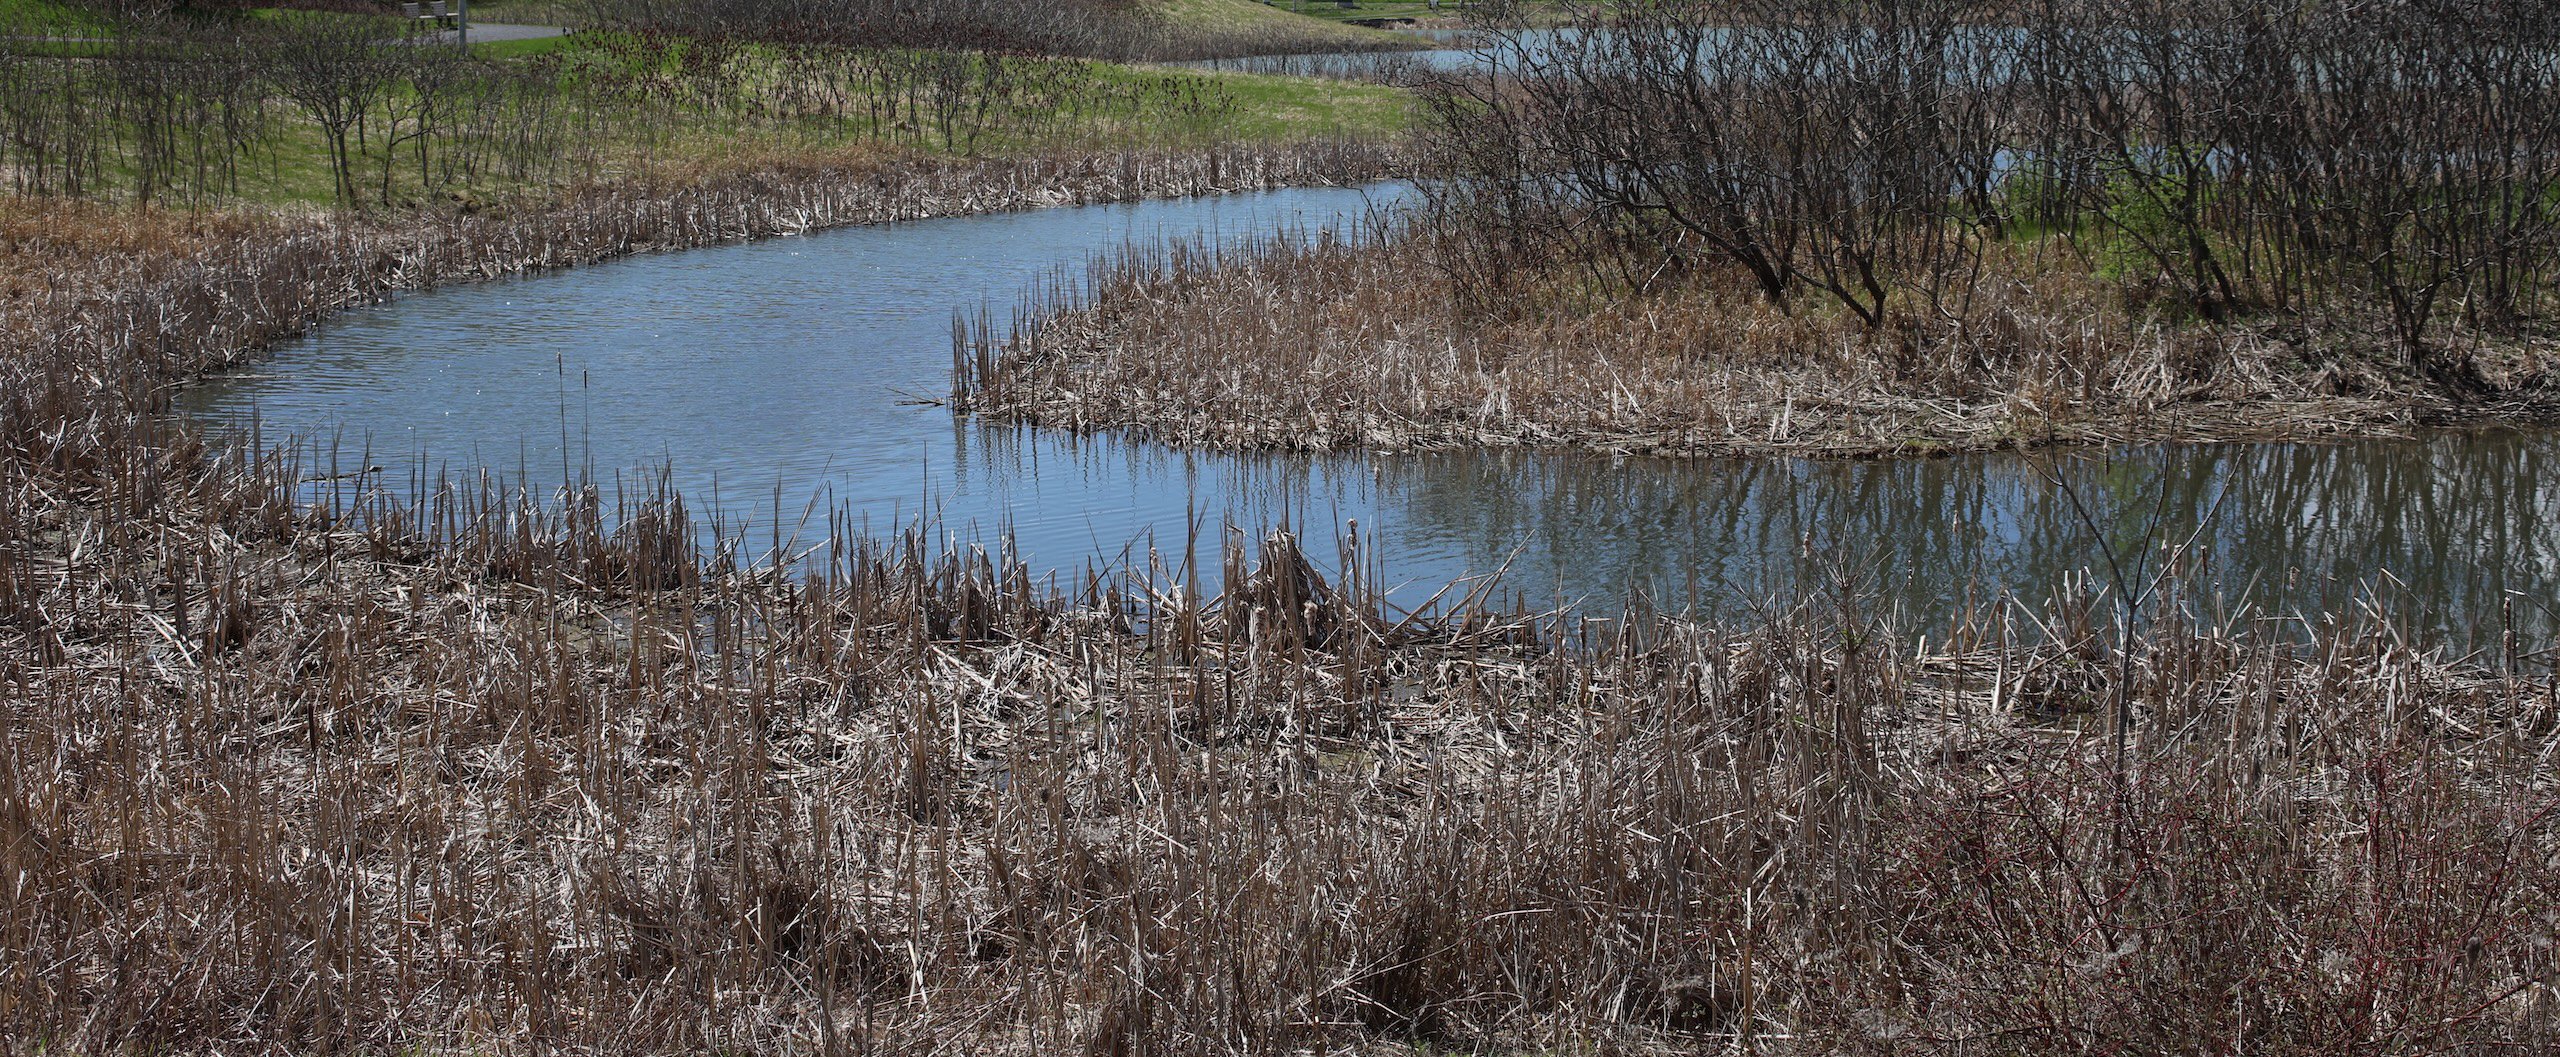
(484, 772)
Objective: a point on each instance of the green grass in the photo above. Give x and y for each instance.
(522, 49)
(297, 171)
(1295, 108)
(1250, 20)
(74, 48)
(1116, 107)
(1329, 10)
(45, 17)
(530, 12)
(1266, 109)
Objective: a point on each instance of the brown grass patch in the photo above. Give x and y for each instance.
(1318, 343)
(501, 773)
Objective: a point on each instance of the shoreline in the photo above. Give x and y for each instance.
(543, 778)
(338, 262)
(2342, 422)
(502, 773)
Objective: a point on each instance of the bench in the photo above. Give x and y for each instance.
(437, 12)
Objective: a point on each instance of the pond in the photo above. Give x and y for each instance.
(768, 380)
(1451, 52)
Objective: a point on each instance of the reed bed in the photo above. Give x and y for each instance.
(508, 773)
(1383, 341)
(498, 772)
(197, 292)
(506, 779)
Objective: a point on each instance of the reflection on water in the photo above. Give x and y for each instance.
(779, 375)
(2466, 521)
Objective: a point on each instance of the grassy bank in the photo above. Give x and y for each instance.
(1119, 30)
(47, 16)
(307, 109)
(91, 282)
(1228, 28)
(1424, 14)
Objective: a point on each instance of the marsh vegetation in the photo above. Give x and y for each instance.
(515, 774)
(1810, 226)
(477, 768)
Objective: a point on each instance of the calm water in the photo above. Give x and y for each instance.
(785, 374)
(1456, 52)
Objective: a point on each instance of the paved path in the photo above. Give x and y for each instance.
(493, 32)
(481, 33)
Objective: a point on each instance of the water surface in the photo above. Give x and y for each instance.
(1454, 51)
(795, 374)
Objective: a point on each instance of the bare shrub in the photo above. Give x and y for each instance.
(2226, 161)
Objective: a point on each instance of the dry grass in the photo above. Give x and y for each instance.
(527, 786)
(1323, 344)
(520, 774)
(201, 291)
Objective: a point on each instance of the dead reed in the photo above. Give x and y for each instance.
(513, 773)
(498, 773)
(196, 293)
(1383, 341)
(505, 779)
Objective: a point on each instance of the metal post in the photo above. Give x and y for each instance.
(462, 22)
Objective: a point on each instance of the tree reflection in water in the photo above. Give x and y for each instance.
(2457, 527)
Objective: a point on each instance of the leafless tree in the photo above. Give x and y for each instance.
(336, 72)
(2223, 158)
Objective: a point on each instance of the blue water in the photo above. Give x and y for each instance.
(1458, 52)
(795, 377)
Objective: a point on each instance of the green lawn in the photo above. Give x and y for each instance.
(1251, 109)
(1298, 108)
(1250, 21)
(621, 106)
(1331, 10)
(45, 18)
(521, 49)
(530, 12)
